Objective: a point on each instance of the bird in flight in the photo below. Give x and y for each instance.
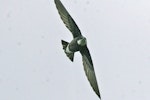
(79, 43)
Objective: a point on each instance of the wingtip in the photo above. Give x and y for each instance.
(99, 97)
(98, 94)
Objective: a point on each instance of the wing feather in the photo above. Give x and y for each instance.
(89, 69)
(67, 19)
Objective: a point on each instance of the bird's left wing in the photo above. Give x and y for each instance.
(89, 69)
(67, 19)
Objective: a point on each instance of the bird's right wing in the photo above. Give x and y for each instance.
(67, 19)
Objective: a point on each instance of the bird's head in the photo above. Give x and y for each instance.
(82, 41)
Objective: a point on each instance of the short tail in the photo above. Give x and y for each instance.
(69, 55)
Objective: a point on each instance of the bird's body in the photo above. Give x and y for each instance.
(79, 43)
(76, 44)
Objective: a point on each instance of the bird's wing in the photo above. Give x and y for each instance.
(89, 69)
(67, 19)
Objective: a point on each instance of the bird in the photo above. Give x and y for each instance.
(78, 44)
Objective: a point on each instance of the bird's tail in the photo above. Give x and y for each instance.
(69, 55)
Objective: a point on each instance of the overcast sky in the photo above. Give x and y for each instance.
(33, 65)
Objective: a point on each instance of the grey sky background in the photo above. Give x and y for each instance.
(33, 65)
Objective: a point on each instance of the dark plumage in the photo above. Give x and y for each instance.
(77, 44)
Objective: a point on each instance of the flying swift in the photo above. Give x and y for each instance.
(79, 43)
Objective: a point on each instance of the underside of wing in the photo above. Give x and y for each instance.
(67, 19)
(89, 69)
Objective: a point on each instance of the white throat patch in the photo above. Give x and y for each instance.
(82, 42)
